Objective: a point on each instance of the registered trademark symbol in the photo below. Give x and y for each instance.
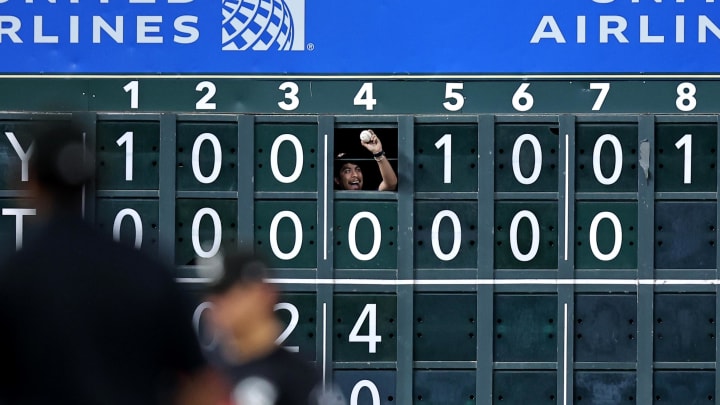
(310, 46)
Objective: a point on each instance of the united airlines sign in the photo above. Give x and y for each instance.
(358, 36)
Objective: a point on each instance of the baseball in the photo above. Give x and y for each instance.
(365, 136)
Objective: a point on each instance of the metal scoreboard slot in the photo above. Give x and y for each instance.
(128, 154)
(450, 147)
(285, 233)
(286, 157)
(203, 227)
(207, 156)
(552, 239)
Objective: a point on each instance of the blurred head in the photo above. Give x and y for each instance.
(60, 165)
(241, 298)
(349, 176)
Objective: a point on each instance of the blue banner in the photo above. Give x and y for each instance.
(359, 36)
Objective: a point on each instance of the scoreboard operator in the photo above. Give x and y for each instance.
(349, 174)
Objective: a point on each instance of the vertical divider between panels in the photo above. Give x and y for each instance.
(88, 123)
(646, 226)
(166, 203)
(566, 259)
(325, 269)
(485, 259)
(246, 185)
(405, 265)
(717, 261)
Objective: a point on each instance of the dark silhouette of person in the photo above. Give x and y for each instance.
(86, 320)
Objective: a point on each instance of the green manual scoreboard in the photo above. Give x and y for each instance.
(552, 239)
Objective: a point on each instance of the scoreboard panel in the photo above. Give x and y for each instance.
(550, 241)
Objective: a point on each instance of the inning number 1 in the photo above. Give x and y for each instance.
(133, 88)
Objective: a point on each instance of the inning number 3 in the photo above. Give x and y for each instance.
(291, 101)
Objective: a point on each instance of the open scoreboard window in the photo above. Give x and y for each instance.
(349, 150)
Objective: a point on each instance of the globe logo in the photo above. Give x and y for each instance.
(262, 25)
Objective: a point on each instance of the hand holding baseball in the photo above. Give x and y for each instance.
(370, 141)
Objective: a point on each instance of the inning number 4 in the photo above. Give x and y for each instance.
(372, 338)
(365, 97)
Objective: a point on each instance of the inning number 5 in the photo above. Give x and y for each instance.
(452, 93)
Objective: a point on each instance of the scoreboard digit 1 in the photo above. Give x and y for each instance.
(552, 239)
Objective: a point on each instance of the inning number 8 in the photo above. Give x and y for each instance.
(686, 97)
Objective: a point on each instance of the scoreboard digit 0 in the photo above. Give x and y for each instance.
(551, 240)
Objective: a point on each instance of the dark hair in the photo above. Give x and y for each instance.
(342, 158)
(60, 162)
(238, 268)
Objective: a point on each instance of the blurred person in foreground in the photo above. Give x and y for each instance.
(85, 320)
(262, 372)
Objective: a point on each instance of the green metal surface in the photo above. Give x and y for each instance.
(588, 174)
(302, 336)
(444, 387)
(685, 241)
(126, 212)
(373, 249)
(329, 95)
(684, 327)
(283, 171)
(546, 238)
(445, 318)
(607, 238)
(190, 245)
(428, 244)
(524, 387)
(363, 382)
(522, 357)
(525, 328)
(605, 388)
(12, 221)
(112, 159)
(280, 244)
(11, 163)
(519, 174)
(671, 162)
(605, 328)
(431, 147)
(684, 387)
(347, 315)
(211, 171)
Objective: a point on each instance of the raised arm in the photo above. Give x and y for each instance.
(389, 178)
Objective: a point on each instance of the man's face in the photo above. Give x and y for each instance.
(350, 177)
(241, 308)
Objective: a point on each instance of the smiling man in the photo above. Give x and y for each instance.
(349, 175)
